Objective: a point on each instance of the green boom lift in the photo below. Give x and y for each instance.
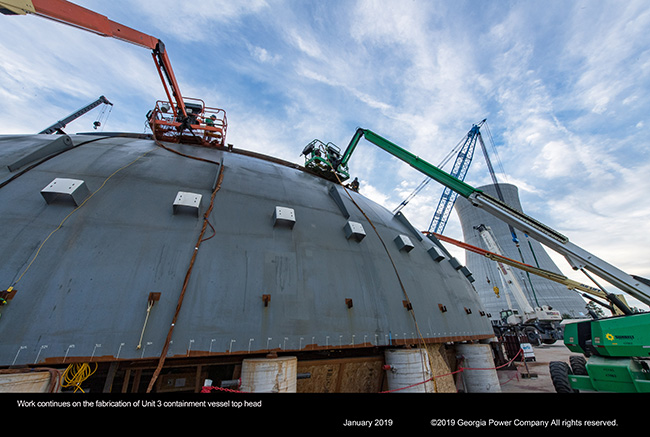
(616, 350)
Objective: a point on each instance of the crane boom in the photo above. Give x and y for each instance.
(82, 18)
(516, 289)
(551, 276)
(577, 257)
(78, 16)
(459, 170)
(56, 127)
(185, 116)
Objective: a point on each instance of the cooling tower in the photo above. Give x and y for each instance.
(538, 290)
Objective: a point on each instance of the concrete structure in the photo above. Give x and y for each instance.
(539, 291)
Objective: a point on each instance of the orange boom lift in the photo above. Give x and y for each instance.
(176, 120)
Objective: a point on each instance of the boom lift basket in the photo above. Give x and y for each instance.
(205, 125)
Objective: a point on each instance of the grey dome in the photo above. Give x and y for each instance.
(284, 264)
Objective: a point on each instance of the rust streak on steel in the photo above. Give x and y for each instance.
(161, 361)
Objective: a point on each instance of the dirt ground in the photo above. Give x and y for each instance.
(534, 376)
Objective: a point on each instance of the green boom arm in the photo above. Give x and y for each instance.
(476, 196)
(576, 256)
(419, 164)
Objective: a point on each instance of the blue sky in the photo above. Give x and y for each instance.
(564, 86)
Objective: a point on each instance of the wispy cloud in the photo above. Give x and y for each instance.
(564, 86)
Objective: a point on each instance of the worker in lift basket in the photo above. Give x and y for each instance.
(210, 121)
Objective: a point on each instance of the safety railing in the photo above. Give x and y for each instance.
(204, 125)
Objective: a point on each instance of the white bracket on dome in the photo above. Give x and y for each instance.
(355, 231)
(436, 254)
(404, 243)
(62, 189)
(187, 203)
(284, 216)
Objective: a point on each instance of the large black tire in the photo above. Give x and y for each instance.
(533, 336)
(560, 372)
(578, 365)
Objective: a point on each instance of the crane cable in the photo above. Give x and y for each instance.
(424, 183)
(102, 118)
(515, 239)
(489, 273)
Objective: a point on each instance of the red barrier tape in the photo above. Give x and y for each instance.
(460, 369)
(208, 389)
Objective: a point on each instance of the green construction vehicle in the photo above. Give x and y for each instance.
(615, 350)
(615, 356)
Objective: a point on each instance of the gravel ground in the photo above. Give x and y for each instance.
(534, 376)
